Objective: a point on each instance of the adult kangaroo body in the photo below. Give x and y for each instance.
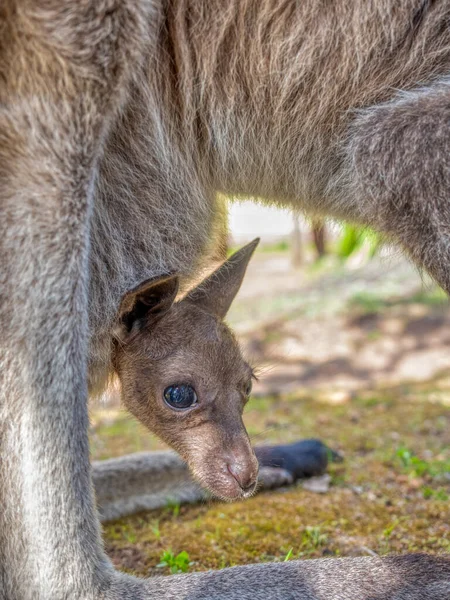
(119, 120)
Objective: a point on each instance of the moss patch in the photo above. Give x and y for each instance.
(390, 494)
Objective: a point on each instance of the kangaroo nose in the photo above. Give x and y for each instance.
(248, 489)
(245, 479)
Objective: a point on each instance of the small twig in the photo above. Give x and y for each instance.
(368, 551)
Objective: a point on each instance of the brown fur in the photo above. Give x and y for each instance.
(189, 343)
(119, 122)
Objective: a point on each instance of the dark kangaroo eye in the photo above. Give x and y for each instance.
(180, 396)
(248, 388)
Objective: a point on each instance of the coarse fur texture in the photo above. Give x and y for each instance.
(119, 122)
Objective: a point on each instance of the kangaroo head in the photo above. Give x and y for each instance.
(182, 374)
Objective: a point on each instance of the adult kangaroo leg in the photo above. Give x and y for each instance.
(399, 157)
(62, 69)
(61, 76)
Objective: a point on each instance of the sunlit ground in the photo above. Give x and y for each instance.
(357, 357)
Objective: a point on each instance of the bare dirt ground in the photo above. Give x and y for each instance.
(341, 329)
(357, 356)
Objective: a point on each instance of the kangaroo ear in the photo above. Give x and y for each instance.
(151, 298)
(216, 293)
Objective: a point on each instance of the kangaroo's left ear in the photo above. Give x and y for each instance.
(216, 293)
(151, 298)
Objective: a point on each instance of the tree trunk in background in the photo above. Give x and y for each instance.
(296, 257)
(318, 232)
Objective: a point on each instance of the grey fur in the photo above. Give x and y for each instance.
(119, 120)
(148, 480)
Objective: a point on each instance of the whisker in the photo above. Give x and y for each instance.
(267, 430)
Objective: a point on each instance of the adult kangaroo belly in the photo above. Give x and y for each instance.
(152, 216)
(265, 90)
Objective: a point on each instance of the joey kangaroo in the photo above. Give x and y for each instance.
(119, 122)
(182, 374)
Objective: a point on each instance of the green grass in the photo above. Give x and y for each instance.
(389, 494)
(439, 494)
(289, 555)
(414, 466)
(367, 303)
(352, 238)
(371, 303)
(179, 563)
(173, 506)
(313, 538)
